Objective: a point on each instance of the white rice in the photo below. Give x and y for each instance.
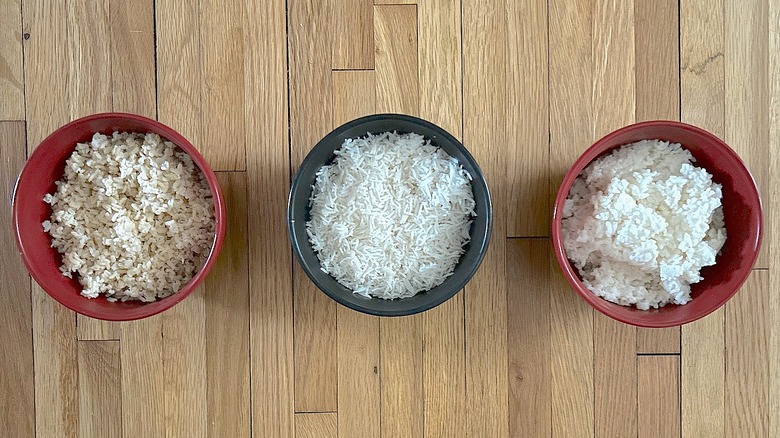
(641, 222)
(390, 215)
(133, 217)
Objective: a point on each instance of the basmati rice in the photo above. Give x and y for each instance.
(391, 215)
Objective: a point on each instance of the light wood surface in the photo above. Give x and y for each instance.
(258, 350)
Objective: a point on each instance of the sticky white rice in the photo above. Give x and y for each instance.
(391, 215)
(641, 222)
(133, 217)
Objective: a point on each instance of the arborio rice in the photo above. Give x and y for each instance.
(133, 217)
(641, 222)
(390, 215)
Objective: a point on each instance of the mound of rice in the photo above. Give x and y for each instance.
(641, 222)
(133, 217)
(390, 215)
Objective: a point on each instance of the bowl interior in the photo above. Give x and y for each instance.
(45, 166)
(298, 214)
(741, 209)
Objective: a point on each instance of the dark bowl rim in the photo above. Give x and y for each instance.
(556, 239)
(479, 177)
(220, 212)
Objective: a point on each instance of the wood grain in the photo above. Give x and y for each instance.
(354, 95)
(657, 76)
(311, 100)
(184, 373)
(528, 170)
(353, 34)
(570, 133)
(17, 392)
(316, 425)
(395, 2)
(47, 101)
(702, 103)
(133, 74)
(100, 389)
(222, 72)
(747, 359)
(11, 62)
(658, 396)
(774, 202)
(227, 321)
(179, 76)
(359, 374)
(56, 367)
(484, 107)
(528, 334)
(614, 99)
(90, 92)
(143, 392)
(702, 384)
(440, 101)
(747, 92)
(397, 85)
(402, 391)
(268, 162)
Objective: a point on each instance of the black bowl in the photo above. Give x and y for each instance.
(322, 154)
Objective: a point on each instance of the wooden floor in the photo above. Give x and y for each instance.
(258, 351)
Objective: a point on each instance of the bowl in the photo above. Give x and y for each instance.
(45, 166)
(742, 213)
(298, 212)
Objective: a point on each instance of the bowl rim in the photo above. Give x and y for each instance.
(220, 218)
(556, 238)
(484, 243)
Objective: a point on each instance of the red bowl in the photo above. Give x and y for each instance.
(47, 165)
(741, 209)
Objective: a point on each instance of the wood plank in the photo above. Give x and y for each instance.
(444, 368)
(397, 85)
(354, 95)
(658, 396)
(528, 141)
(17, 392)
(56, 367)
(402, 391)
(747, 92)
(353, 34)
(133, 57)
(440, 101)
(394, 2)
(484, 133)
(47, 101)
(528, 332)
(702, 101)
(179, 76)
(143, 392)
(268, 162)
(316, 425)
(359, 402)
(227, 321)
(11, 61)
(222, 70)
(100, 389)
(358, 353)
(774, 205)
(657, 80)
(702, 390)
(570, 133)
(311, 100)
(184, 373)
(184, 327)
(90, 92)
(614, 343)
(747, 359)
